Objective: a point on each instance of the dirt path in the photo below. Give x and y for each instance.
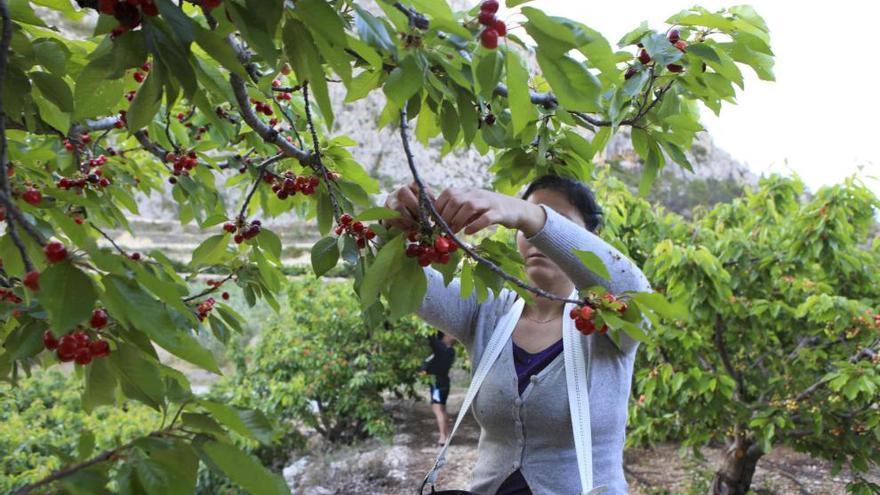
(398, 467)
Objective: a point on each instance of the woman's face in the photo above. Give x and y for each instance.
(540, 269)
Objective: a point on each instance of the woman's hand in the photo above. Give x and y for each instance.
(467, 208)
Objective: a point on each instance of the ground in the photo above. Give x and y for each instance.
(398, 466)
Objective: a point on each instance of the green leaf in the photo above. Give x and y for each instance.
(52, 55)
(362, 84)
(466, 280)
(252, 23)
(169, 471)
(95, 95)
(128, 302)
(211, 250)
(219, 50)
(100, 385)
(662, 52)
(387, 262)
(377, 213)
(68, 295)
(146, 102)
(522, 111)
(373, 31)
(488, 66)
(140, 376)
(85, 445)
(248, 423)
(302, 52)
(403, 82)
(406, 290)
(55, 89)
(593, 263)
(659, 304)
(241, 468)
(325, 255)
(574, 86)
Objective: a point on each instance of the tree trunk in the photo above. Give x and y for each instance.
(734, 477)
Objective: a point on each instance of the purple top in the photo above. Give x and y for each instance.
(527, 364)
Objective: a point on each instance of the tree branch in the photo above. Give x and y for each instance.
(6, 195)
(208, 291)
(316, 155)
(260, 174)
(725, 357)
(423, 197)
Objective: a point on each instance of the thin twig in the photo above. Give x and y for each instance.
(208, 291)
(110, 239)
(6, 196)
(260, 173)
(316, 155)
(445, 227)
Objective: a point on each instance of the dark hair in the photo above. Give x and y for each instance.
(577, 193)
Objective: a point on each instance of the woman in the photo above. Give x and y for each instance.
(526, 443)
(438, 364)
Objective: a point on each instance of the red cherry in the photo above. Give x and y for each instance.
(31, 280)
(64, 355)
(489, 39)
(68, 343)
(644, 57)
(135, 256)
(412, 236)
(81, 338)
(228, 227)
(32, 196)
(673, 36)
(443, 258)
(501, 27)
(369, 234)
(225, 296)
(83, 356)
(55, 252)
(603, 330)
(486, 18)
(425, 259)
(574, 313)
(99, 318)
(361, 242)
(49, 340)
(238, 238)
(675, 68)
(345, 219)
(412, 250)
(86, 138)
(106, 6)
(630, 73)
(339, 230)
(441, 245)
(139, 76)
(99, 348)
(211, 4)
(489, 6)
(146, 67)
(681, 45)
(586, 312)
(357, 227)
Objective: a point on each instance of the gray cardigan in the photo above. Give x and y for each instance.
(533, 432)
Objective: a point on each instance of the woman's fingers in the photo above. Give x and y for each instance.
(466, 214)
(489, 217)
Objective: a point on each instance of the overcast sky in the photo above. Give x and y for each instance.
(819, 118)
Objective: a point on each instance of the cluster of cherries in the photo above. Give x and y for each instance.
(140, 75)
(494, 27)
(283, 95)
(129, 13)
(78, 346)
(349, 225)
(263, 108)
(216, 284)
(95, 177)
(288, 184)
(8, 295)
(429, 251)
(205, 308)
(243, 231)
(584, 316)
(644, 57)
(181, 164)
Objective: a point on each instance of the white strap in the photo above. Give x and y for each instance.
(576, 379)
(503, 331)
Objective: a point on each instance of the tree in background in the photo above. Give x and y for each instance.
(781, 343)
(196, 97)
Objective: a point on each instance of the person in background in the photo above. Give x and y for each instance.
(438, 364)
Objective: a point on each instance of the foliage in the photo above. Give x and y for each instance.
(780, 345)
(321, 366)
(42, 426)
(177, 97)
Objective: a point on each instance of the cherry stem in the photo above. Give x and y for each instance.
(110, 239)
(207, 291)
(423, 197)
(263, 167)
